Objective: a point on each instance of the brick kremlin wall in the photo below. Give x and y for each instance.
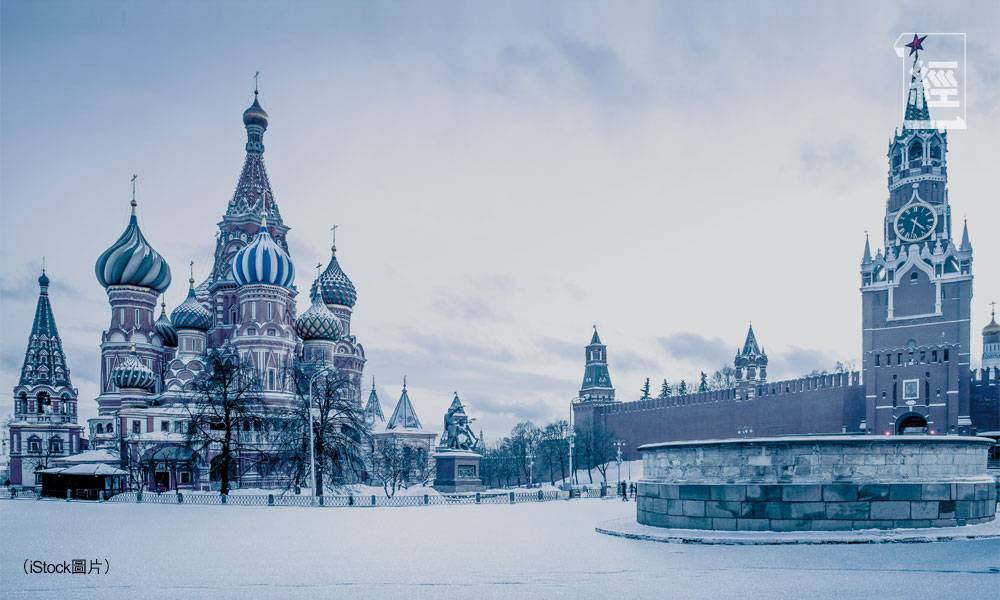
(809, 405)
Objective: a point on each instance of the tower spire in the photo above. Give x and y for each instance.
(866, 258)
(917, 115)
(333, 245)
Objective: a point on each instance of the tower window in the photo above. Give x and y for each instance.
(914, 277)
(916, 153)
(946, 355)
(935, 151)
(878, 360)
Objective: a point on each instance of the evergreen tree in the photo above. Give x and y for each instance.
(682, 389)
(703, 383)
(645, 390)
(665, 390)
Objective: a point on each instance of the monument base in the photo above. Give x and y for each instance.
(457, 471)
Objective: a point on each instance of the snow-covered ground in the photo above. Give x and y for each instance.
(539, 550)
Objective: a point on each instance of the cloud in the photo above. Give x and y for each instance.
(698, 349)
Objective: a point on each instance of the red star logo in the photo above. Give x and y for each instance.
(916, 44)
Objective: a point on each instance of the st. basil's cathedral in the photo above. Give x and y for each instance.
(148, 361)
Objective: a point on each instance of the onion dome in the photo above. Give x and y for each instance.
(132, 373)
(991, 329)
(132, 261)
(318, 323)
(255, 115)
(191, 314)
(334, 285)
(165, 328)
(43, 280)
(263, 261)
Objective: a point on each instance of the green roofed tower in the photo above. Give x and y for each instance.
(596, 379)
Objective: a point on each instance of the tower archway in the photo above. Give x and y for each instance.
(911, 423)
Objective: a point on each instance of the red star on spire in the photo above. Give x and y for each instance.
(916, 44)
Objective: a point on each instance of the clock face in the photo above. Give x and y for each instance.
(915, 222)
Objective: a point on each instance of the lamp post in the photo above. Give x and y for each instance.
(312, 435)
(618, 456)
(569, 436)
(531, 465)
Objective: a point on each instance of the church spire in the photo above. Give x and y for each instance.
(44, 361)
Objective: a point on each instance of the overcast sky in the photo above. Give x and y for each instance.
(503, 176)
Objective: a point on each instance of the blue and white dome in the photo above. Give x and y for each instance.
(263, 262)
(191, 314)
(318, 323)
(132, 261)
(165, 328)
(334, 285)
(131, 373)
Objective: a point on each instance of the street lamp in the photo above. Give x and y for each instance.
(312, 441)
(618, 456)
(531, 465)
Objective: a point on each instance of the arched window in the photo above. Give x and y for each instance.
(41, 401)
(897, 159)
(22, 402)
(914, 277)
(916, 153)
(99, 429)
(56, 445)
(34, 444)
(935, 150)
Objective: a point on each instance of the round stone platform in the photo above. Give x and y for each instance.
(628, 528)
(817, 483)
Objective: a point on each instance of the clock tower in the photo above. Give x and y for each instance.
(917, 293)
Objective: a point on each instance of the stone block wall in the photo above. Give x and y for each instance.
(817, 483)
(816, 507)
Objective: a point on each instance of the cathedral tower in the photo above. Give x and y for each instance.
(45, 402)
(264, 332)
(134, 275)
(916, 295)
(252, 202)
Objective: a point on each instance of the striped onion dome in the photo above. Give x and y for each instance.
(191, 314)
(318, 323)
(165, 328)
(263, 261)
(336, 287)
(132, 261)
(132, 373)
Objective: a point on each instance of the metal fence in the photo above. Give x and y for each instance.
(366, 501)
(359, 501)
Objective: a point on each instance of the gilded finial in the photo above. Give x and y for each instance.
(191, 277)
(133, 202)
(255, 87)
(333, 245)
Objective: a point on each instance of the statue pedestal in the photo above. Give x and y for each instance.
(457, 471)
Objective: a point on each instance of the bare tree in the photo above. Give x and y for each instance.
(225, 402)
(393, 462)
(339, 431)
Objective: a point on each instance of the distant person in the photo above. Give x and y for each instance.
(633, 488)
